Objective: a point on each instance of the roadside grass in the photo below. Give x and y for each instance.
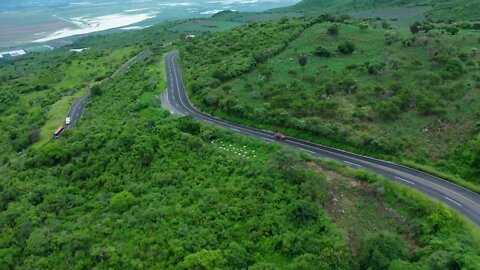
(149, 100)
(56, 118)
(156, 70)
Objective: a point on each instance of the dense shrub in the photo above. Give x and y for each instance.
(380, 248)
(322, 52)
(346, 48)
(333, 30)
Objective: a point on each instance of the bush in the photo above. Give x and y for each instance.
(380, 249)
(302, 60)
(322, 52)
(454, 67)
(452, 30)
(304, 212)
(333, 30)
(346, 48)
(387, 110)
(96, 90)
(374, 69)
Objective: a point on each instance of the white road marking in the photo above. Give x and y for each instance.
(383, 167)
(306, 150)
(404, 180)
(353, 164)
(270, 140)
(455, 202)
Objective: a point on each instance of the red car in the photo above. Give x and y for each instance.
(281, 137)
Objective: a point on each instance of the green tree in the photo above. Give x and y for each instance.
(122, 201)
(415, 27)
(204, 260)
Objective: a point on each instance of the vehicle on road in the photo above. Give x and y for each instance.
(280, 137)
(58, 131)
(67, 121)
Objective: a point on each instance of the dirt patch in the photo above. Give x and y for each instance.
(357, 207)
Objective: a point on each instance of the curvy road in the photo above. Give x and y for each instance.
(460, 199)
(76, 110)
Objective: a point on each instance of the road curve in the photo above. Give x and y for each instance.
(460, 199)
(76, 110)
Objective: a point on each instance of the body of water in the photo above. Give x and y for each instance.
(39, 22)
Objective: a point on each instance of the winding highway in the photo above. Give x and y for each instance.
(76, 110)
(460, 199)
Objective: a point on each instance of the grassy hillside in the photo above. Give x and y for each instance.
(440, 10)
(368, 87)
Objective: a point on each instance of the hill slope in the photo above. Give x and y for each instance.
(441, 10)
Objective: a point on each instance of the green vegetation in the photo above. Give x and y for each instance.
(37, 90)
(134, 187)
(382, 92)
(135, 190)
(196, 205)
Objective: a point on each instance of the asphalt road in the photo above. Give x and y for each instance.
(460, 199)
(76, 110)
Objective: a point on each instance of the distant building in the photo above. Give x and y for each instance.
(79, 50)
(14, 53)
